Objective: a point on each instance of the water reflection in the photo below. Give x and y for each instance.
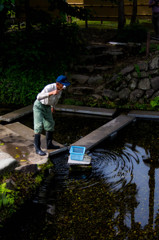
(125, 176)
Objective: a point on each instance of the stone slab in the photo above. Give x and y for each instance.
(101, 133)
(19, 148)
(9, 117)
(144, 114)
(12, 116)
(27, 133)
(86, 110)
(6, 161)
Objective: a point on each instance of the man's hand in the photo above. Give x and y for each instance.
(52, 109)
(55, 92)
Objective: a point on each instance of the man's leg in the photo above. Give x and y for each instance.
(38, 126)
(49, 127)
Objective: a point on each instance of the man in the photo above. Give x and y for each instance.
(43, 108)
(154, 4)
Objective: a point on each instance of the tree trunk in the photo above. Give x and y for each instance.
(121, 15)
(134, 12)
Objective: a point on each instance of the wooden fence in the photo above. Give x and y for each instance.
(100, 10)
(104, 10)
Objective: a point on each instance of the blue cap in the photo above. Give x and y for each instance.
(63, 80)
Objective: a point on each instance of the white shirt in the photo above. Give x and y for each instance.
(44, 97)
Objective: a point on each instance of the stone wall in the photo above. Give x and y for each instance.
(135, 83)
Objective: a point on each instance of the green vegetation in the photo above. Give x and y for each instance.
(155, 103)
(6, 197)
(138, 70)
(16, 188)
(29, 62)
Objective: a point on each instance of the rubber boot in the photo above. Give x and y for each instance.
(37, 144)
(49, 144)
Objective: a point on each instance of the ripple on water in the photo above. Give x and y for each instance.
(116, 167)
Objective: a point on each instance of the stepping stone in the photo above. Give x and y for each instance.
(9, 117)
(101, 133)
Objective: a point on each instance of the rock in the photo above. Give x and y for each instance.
(144, 84)
(127, 70)
(144, 74)
(133, 83)
(128, 77)
(82, 79)
(110, 94)
(154, 63)
(156, 94)
(124, 94)
(97, 96)
(87, 69)
(81, 90)
(95, 79)
(149, 93)
(155, 83)
(135, 95)
(135, 74)
(143, 66)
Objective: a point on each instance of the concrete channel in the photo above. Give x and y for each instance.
(16, 140)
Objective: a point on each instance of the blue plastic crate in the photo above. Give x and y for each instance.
(77, 153)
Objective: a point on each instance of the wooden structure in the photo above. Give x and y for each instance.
(103, 10)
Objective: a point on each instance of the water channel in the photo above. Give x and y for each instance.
(118, 198)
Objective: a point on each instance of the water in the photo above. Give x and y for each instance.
(70, 127)
(117, 199)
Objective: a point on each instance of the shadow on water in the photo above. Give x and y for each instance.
(117, 199)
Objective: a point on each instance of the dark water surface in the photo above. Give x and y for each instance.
(117, 199)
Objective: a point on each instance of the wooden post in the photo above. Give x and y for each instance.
(86, 21)
(148, 44)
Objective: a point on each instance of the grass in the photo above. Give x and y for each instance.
(111, 24)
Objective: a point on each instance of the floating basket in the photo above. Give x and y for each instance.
(77, 153)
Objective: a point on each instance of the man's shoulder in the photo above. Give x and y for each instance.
(50, 86)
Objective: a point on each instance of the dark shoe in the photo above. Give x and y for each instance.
(37, 144)
(49, 144)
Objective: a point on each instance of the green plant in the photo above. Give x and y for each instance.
(6, 196)
(137, 70)
(155, 102)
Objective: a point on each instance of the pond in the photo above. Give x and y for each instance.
(118, 198)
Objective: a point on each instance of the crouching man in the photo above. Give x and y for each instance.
(42, 112)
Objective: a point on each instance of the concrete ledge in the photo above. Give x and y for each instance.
(9, 117)
(86, 110)
(144, 114)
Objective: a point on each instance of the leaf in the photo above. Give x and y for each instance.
(23, 160)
